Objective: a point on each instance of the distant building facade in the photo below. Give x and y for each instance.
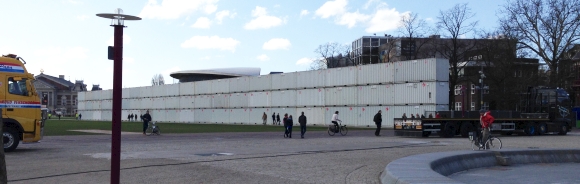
(61, 93)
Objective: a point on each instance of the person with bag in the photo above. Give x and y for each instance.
(378, 119)
(146, 120)
(302, 121)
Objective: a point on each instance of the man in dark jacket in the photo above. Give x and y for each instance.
(302, 121)
(288, 125)
(278, 118)
(146, 119)
(378, 119)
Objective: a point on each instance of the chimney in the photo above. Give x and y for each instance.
(61, 76)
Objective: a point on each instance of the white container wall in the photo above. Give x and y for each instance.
(221, 116)
(348, 115)
(135, 92)
(256, 114)
(239, 84)
(146, 92)
(96, 116)
(261, 83)
(97, 95)
(186, 88)
(259, 99)
(431, 69)
(311, 79)
(134, 103)
(186, 116)
(341, 96)
(220, 86)
(366, 115)
(88, 95)
(81, 96)
(157, 115)
(239, 116)
(81, 105)
(421, 93)
(376, 95)
(172, 102)
(202, 101)
(89, 105)
(186, 102)
(382, 73)
(172, 116)
(220, 101)
(107, 104)
(202, 87)
(344, 76)
(202, 115)
(146, 103)
(172, 89)
(282, 111)
(125, 93)
(158, 103)
(283, 81)
(106, 115)
(238, 100)
(314, 116)
(284, 98)
(159, 90)
(310, 97)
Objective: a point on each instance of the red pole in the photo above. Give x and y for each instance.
(117, 95)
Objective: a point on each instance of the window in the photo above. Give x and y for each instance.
(17, 86)
(473, 106)
(63, 100)
(485, 89)
(458, 106)
(472, 89)
(485, 106)
(518, 73)
(458, 89)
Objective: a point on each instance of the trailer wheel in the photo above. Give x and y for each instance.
(465, 129)
(450, 129)
(563, 129)
(530, 130)
(542, 128)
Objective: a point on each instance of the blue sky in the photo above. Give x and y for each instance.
(64, 37)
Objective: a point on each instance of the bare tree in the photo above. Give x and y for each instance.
(454, 23)
(157, 80)
(548, 28)
(331, 55)
(411, 28)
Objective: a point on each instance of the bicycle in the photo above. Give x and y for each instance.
(492, 142)
(153, 129)
(343, 130)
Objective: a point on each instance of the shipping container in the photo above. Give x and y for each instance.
(259, 99)
(96, 95)
(158, 115)
(146, 103)
(186, 115)
(311, 79)
(88, 105)
(202, 101)
(158, 103)
(86, 115)
(186, 102)
(256, 114)
(125, 93)
(314, 116)
(81, 105)
(382, 73)
(135, 92)
(96, 116)
(81, 96)
(172, 89)
(124, 104)
(159, 90)
(172, 102)
(260, 83)
(238, 100)
(134, 103)
(348, 115)
(171, 115)
(282, 111)
(367, 114)
(421, 93)
(239, 84)
(283, 98)
(310, 97)
(432, 69)
(283, 81)
(186, 88)
(239, 116)
(376, 95)
(220, 101)
(202, 115)
(106, 115)
(88, 95)
(146, 92)
(344, 76)
(106, 104)
(221, 116)
(220, 86)
(202, 87)
(341, 96)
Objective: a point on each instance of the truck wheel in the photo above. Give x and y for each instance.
(450, 129)
(563, 129)
(530, 130)
(10, 138)
(465, 129)
(542, 128)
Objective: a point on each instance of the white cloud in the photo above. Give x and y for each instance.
(332, 8)
(369, 3)
(173, 9)
(276, 44)
(429, 19)
(219, 16)
(304, 61)
(262, 20)
(202, 23)
(304, 13)
(126, 40)
(82, 17)
(263, 57)
(213, 42)
(385, 20)
(128, 60)
(351, 19)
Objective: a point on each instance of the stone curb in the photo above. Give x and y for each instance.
(434, 167)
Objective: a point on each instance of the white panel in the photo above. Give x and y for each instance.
(238, 100)
(88, 95)
(171, 116)
(283, 81)
(172, 89)
(158, 115)
(202, 101)
(311, 79)
(282, 111)
(97, 105)
(284, 98)
(146, 103)
(344, 76)
(106, 115)
(146, 92)
(81, 96)
(124, 104)
(239, 116)
(341, 96)
(172, 102)
(107, 104)
(81, 105)
(186, 116)
(135, 92)
(366, 115)
(220, 100)
(89, 105)
(260, 83)
(256, 114)
(348, 115)
(202, 87)
(221, 116)
(376, 95)
(159, 90)
(202, 115)
(186, 88)
(186, 102)
(310, 97)
(314, 115)
(239, 84)
(96, 116)
(158, 103)
(422, 70)
(382, 73)
(421, 93)
(125, 93)
(97, 95)
(220, 86)
(135, 103)
(259, 99)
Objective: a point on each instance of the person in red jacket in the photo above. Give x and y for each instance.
(485, 120)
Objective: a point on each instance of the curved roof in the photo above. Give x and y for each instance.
(234, 72)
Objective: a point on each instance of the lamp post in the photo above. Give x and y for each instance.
(117, 21)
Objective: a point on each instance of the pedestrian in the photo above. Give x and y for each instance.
(264, 118)
(437, 115)
(289, 124)
(141, 116)
(422, 116)
(284, 123)
(378, 119)
(278, 118)
(412, 116)
(146, 119)
(404, 117)
(49, 115)
(80, 116)
(273, 118)
(77, 116)
(129, 117)
(430, 115)
(59, 116)
(302, 121)
(417, 116)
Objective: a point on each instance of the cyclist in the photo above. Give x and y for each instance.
(334, 121)
(485, 120)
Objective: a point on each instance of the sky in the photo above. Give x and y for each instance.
(65, 37)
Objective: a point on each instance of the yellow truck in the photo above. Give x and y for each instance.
(22, 117)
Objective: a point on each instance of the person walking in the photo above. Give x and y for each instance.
(264, 118)
(485, 120)
(278, 118)
(80, 116)
(146, 119)
(302, 121)
(273, 118)
(284, 124)
(129, 117)
(378, 119)
(289, 124)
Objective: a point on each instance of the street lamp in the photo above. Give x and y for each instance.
(117, 21)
